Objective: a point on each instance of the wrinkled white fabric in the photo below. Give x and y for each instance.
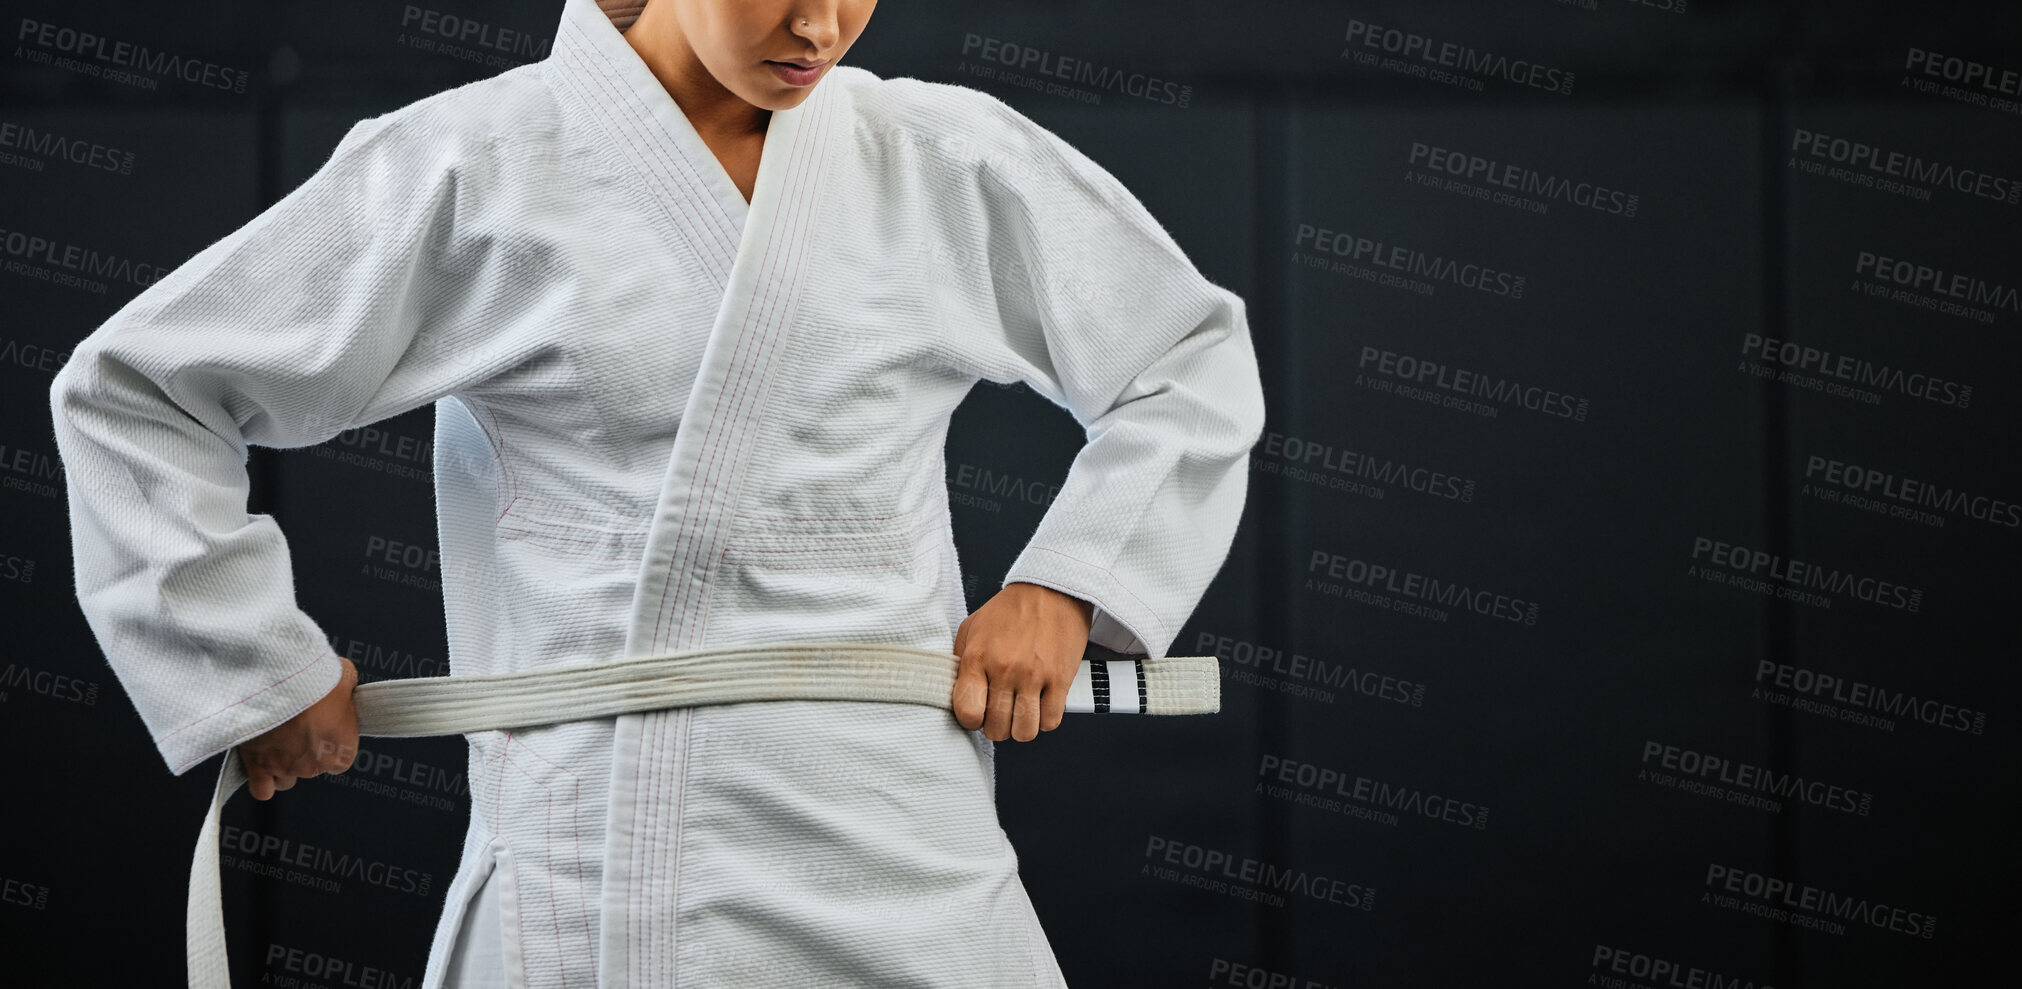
(666, 418)
(731, 674)
(478, 960)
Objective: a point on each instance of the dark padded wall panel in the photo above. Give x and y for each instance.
(1622, 596)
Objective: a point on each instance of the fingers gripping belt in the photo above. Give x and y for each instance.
(844, 671)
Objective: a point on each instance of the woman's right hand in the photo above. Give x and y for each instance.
(321, 739)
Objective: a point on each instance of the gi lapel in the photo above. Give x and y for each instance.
(711, 452)
(706, 471)
(754, 253)
(612, 86)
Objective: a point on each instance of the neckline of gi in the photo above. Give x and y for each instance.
(586, 31)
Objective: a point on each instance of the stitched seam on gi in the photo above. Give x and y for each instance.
(912, 540)
(688, 551)
(550, 510)
(691, 550)
(728, 230)
(688, 224)
(726, 234)
(496, 770)
(311, 664)
(547, 858)
(585, 542)
(642, 886)
(587, 549)
(736, 441)
(497, 437)
(657, 936)
(680, 814)
(1150, 615)
(687, 239)
(831, 518)
(636, 885)
(575, 845)
(785, 298)
(718, 445)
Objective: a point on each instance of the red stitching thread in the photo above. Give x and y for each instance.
(575, 832)
(319, 658)
(498, 450)
(548, 859)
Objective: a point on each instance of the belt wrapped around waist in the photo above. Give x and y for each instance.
(840, 671)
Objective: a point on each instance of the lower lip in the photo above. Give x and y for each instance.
(794, 75)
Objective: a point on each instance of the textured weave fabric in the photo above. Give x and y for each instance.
(668, 419)
(478, 959)
(839, 671)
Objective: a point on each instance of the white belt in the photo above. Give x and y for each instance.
(839, 671)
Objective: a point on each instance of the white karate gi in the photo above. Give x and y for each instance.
(666, 419)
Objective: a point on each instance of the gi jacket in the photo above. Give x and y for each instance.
(664, 419)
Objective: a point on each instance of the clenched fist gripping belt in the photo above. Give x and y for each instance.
(718, 675)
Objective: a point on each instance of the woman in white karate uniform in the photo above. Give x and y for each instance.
(694, 304)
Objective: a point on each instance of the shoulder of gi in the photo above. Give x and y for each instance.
(968, 129)
(470, 128)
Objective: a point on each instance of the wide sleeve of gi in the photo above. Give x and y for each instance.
(1104, 315)
(324, 312)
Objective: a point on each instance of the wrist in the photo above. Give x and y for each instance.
(1085, 609)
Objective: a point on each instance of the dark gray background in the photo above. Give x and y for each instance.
(1543, 724)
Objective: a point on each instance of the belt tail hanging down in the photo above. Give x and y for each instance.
(846, 671)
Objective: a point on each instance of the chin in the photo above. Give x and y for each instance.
(782, 97)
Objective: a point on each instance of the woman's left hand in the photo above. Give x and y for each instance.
(1019, 653)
